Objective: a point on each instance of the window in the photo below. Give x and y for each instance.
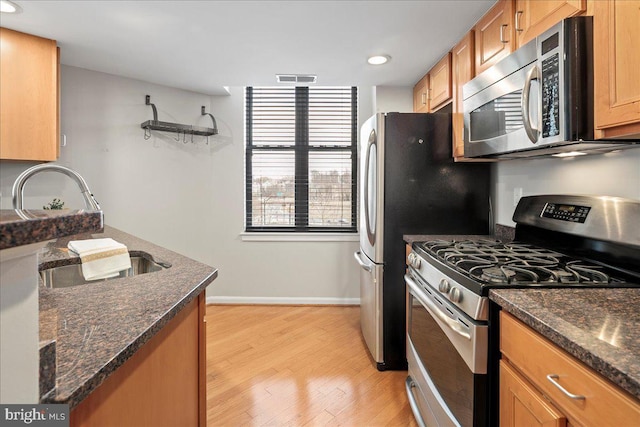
(301, 154)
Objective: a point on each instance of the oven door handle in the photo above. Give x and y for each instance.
(410, 385)
(435, 311)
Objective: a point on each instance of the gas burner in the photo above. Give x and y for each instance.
(497, 274)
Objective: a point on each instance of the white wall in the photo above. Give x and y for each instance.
(388, 99)
(610, 174)
(186, 197)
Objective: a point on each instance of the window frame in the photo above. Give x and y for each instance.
(302, 151)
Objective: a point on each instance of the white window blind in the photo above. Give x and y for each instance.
(301, 147)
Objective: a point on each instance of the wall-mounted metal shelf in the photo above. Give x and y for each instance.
(155, 124)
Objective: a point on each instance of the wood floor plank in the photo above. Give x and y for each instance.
(297, 366)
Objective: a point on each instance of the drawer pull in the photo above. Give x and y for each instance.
(553, 379)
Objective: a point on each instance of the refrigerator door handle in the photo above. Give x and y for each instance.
(364, 266)
(365, 193)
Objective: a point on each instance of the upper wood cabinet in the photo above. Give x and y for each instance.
(420, 93)
(30, 97)
(616, 65)
(532, 18)
(462, 70)
(440, 83)
(494, 35)
(433, 91)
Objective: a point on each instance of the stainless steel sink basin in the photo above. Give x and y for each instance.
(71, 275)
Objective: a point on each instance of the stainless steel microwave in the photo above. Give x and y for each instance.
(538, 100)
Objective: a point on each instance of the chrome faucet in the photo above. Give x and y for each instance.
(21, 180)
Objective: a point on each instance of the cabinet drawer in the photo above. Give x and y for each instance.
(536, 357)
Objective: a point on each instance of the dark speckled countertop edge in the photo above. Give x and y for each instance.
(43, 225)
(541, 324)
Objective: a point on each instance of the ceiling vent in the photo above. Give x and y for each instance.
(296, 78)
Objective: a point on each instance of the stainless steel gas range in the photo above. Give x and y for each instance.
(452, 351)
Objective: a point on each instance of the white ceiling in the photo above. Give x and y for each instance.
(203, 46)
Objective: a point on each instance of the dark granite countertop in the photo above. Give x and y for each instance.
(502, 232)
(99, 326)
(599, 327)
(22, 227)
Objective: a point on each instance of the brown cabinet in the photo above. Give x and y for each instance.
(546, 372)
(616, 65)
(462, 70)
(420, 103)
(440, 83)
(532, 18)
(433, 91)
(162, 384)
(494, 35)
(29, 101)
(523, 405)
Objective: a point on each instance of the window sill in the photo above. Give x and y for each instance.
(298, 237)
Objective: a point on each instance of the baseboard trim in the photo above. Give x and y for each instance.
(282, 300)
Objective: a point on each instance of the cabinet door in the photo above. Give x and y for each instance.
(440, 83)
(522, 405)
(616, 65)
(463, 67)
(420, 101)
(495, 35)
(532, 18)
(29, 101)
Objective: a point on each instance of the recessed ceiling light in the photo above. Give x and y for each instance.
(378, 59)
(570, 154)
(7, 6)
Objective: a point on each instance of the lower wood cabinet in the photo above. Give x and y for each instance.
(162, 384)
(532, 372)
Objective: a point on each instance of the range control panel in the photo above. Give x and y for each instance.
(563, 212)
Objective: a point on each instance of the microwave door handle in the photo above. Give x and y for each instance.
(532, 132)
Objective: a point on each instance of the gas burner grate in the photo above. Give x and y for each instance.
(494, 262)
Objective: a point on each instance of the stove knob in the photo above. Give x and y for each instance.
(455, 295)
(444, 286)
(416, 261)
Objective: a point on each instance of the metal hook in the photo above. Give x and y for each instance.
(184, 137)
(178, 138)
(192, 137)
(207, 139)
(147, 133)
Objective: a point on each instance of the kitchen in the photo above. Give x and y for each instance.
(195, 192)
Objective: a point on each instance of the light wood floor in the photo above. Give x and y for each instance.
(297, 366)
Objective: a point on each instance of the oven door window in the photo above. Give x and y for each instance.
(453, 379)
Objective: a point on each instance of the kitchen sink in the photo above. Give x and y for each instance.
(71, 275)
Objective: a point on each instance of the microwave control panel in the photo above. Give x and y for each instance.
(550, 96)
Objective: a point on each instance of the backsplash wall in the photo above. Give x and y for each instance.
(610, 174)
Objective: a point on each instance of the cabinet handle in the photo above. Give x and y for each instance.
(553, 380)
(429, 94)
(518, 14)
(502, 27)
(424, 98)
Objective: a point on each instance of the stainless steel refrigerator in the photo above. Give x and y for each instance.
(409, 184)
